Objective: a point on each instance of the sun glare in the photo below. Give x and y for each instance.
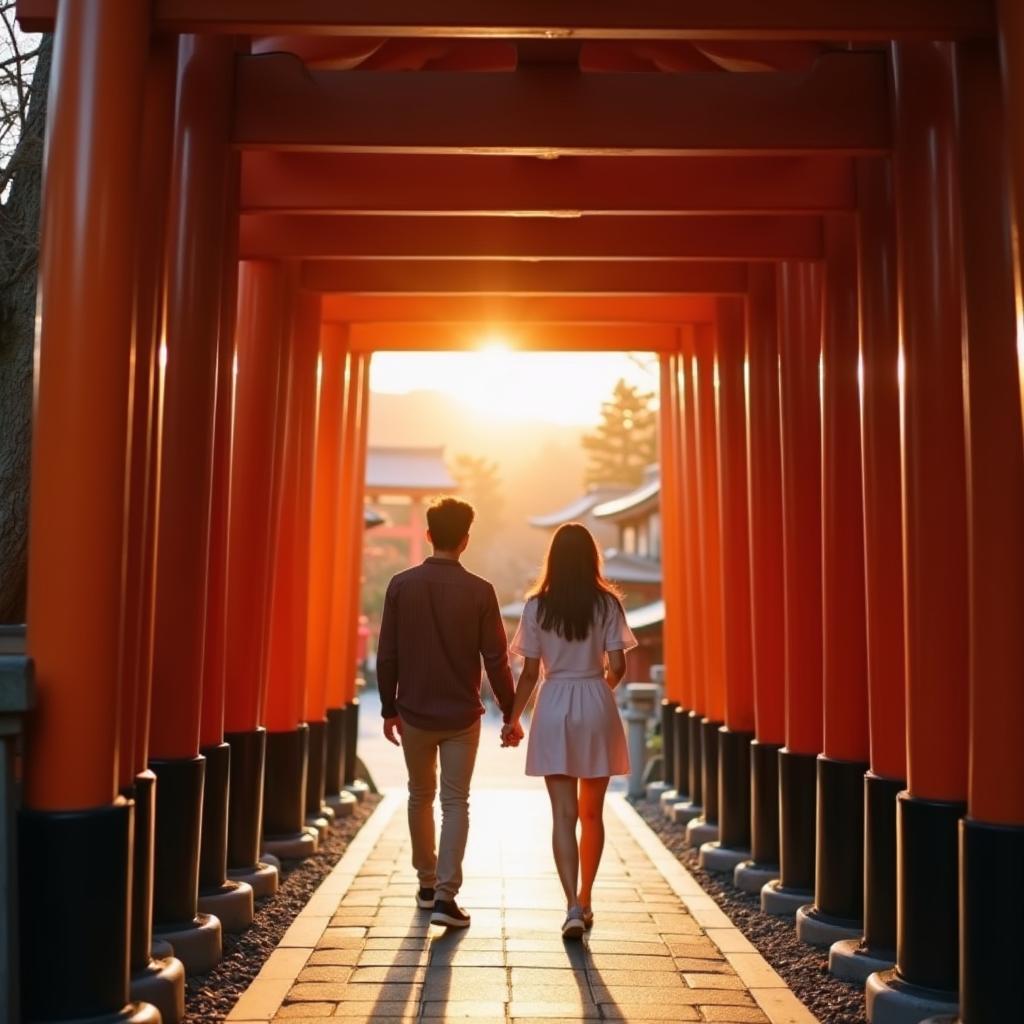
(497, 380)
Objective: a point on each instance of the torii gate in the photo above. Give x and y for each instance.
(838, 546)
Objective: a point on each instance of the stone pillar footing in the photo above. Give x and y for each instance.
(685, 811)
(667, 800)
(851, 960)
(891, 1000)
(655, 790)
(358, 789)
(297, 846)
(753, 877)
(721, 859)
(160, 949)
(319, 824)
(821, 930)
(197, 943)
(232, 903)
(341, 803)
(701, 831)
(161, 983)
(261, 878)
(779, 901)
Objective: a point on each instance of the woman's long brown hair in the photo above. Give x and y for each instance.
(572, 594)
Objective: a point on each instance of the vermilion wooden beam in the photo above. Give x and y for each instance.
(375, 184)
(557, 337)
(585, 19)
(663, 309)
(593, 238)
(841, 104)
(421, 277)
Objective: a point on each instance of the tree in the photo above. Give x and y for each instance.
(24, 77)
(479, 480)
(626, 439)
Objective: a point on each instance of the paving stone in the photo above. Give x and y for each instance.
(465, 1008)
(659, 994)
(633, 962)
(467, 958)
(734, 1014)
(384, 993)
(662, 979)
(290, 1010)
(334, 957)
(729, 981)
(548, 1009)
(392, 957)
(318, 972)
(664, 1013)
(549, 976)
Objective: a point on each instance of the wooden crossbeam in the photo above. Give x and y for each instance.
(494, 277)
(765, 237)
(359, 183)
(544, 337)
(840, 105)
(584, 19)
(505, 309)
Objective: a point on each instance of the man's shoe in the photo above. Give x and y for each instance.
(425, 899)
(447, 913)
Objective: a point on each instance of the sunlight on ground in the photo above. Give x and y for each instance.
(552, 387)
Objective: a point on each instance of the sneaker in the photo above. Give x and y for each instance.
(425, 899)
(574, 926)
(447, 913)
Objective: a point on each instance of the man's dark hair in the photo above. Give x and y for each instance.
(449, 520)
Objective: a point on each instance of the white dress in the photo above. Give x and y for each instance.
(576, 729)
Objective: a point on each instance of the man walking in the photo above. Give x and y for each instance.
(438, 620)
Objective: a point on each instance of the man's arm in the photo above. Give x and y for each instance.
(387, 654)
(494, 649)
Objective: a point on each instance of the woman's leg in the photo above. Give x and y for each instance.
(564, 813)
(591, 811)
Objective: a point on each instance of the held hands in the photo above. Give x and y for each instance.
(511, 734)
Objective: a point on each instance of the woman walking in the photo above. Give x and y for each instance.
(573, 630)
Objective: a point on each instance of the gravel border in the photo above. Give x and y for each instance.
(209, 997)
(802, 967)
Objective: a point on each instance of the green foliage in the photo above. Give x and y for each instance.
(626, 439)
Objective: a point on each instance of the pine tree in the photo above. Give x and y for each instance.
(626, 439)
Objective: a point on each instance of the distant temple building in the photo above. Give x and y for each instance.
(399, 483)
(627, 525)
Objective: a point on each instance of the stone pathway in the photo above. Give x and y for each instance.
(660, 949)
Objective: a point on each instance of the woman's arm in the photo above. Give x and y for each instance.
(615, 668)
(524, 688)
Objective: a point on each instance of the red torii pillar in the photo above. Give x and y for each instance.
(686, 810)
(839, 861)
(75, 830)
(675, 624)
(159, 981)
(735, 736)
(800, 416)
(324, 536)
(259, 401)
(705, 382)
(284, 816)
(935, 536)
(992, 833)
(855, 959)
(766, 578)
(195, 268)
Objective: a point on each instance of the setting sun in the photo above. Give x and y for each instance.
(552, 387)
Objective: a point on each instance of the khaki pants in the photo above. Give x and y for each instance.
(440, 869)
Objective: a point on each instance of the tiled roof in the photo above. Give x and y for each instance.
(576, 509)
(407, 469)
(644, 499)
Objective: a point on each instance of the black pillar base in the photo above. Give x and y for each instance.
(316, 769)
(927, 868)
(351, 741)
(734, 789)
(74, 932)
(880, 796)
(213, 848)
(992, 921)
(696, 766)
(839, 854)
(709, 769)
(680, 727)
(334, 755)
(284, 792)
(668, 741)
(764, 804)
(245, 798)
(143, 793)
(797, 813)
(179, 815)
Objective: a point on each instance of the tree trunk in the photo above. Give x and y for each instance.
(19, 251)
